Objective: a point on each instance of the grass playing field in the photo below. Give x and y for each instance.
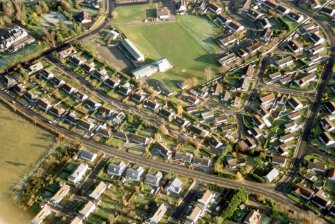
(185, 45)
(135, 12)
(22, 143)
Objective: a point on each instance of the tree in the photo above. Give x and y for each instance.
(38, 9)
(180, 109)
(65, 6)
(9, 9)
(163, 130)
(208, 73)
(130, 118)
(44, 6)
(239, 176)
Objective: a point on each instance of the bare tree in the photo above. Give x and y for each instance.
(208, 72)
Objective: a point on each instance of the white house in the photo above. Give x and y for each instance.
(273, 174)
(78, 174)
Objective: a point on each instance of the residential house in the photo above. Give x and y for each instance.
(20, 89)
(35, 67)
(158, 215)
(214, 8)
(152, 105)
(116, 169)
(66, 52)
(255, 132)
(153, 179)
(287, 138)
(98, 191)
(60, 194)
(328, 11)
(85, 125)
(253, 217)
(216, 89)
(214, 142)
(316, 49)
(92, 105)
(201, 163)
(285, 62)
(269, 4)
(104, 131)
(84, 17)
(330, 106)
(228, 40)
(315, 4)
(206, 115)
(327, 125)
(57, 82)
(71, 118)
(265, 23)
(46, 74)
(206, 197)
(258, 121)
(317, 166)
(124, 90)
(235, 27)
(294, 46)
(270, 176)
(99, 75)
(87, 209)
(134, 173)
(181, 122)
(316, 39)
(76, 220)
(332, 210)
(234, 163)
(89, 67)
(266, 35)
(43, 104)
(254, 14)
(326, 138)
(167, 114)
(303, 191)
(183, 157)
(139, 139)
(38, 219)
(86, 155)
(78, 173)
(320, 200)
(174, 186)
(113, 82)
(279, 160)
(162, 150)
(118, 118)
(195, 214)
(331, 174)
(77, 60)
(69, 89)
(9, 81)
(268, 99)
(192, 99)
(309, 70)
(295, 103)
(198, 131)
(294, 116)
(298, 18)
(138, 96)
(56, 111)
(163, 13)
(283, 10)
(222, 20)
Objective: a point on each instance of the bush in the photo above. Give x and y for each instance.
(239, 197)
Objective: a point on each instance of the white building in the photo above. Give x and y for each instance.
(99, 190)
(273, 174)
(161, 65)
(88, 209)
(78, 174)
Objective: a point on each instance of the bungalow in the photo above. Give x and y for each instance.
(192, 109)
(158, 215)
(328, 11)
(265, 23)
(266, 35)
(263, 112)
(153, 179)
(285, 62)
(71, 118)
(253, 48)
(308, 27)
(315, 59)
(85, 125)
(295, 17)
(181, 7)
(220, 120)
(56, 111)
(241, 52)
(138, 96)
(269, 4)
(330, 106)
(295, 103)
(268, 99)
(245, 6)
(228, 40)
(206, 115)
(294, 46)
(80, 96)
(311, 69)
(163, 13)
(234, 163)
(43, 104)
(116, 169)
(254, 14)
(192, 99)
(316, 39)
(162, 150)
(315, 4)
(316, 49)
(86, 155)
(294, 116)
(118, 117)
(195, 214)
(332, 210)
(181, 122)
(84, 17)
(78, 173)
(105, 112)
(104, 131)
(201, 163)
(198, 131)
(327, 124)
(92, 105)
(113, 82)
(152, 105)
(214, 8)
(66, 52)
(258, 121)
(255, 132)
(183, 157)
(247, 144)
(227, 59)
(253, 217)
(303, 191)
(175, 186)
(316, 166)
(35, 67)
(77, 60)
(98, 191)
(282, 10)
(291, 127)
(206, 197)
(125, 89)
(286, 80)
(139, 139)
(87, 209)
(320, 200)
(326, 138)
(88, 66)
(167, 114)
(99, 75)
(331, 174)
(270, 176)
(235, 27)
(57, 82)
(286, 138)
(20, 89)
(68, 88)
(46, 74)
(283, 149)
(76, 220)
(214, 142)
(236, 102)
(279, 160)
(9, 81)
(60, 194)
(134, 173)
(222, 20)
(38, 219)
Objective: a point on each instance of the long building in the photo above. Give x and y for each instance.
(132, 50)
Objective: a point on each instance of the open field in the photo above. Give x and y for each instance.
(135, 12)
(22, 143)
(186, 54)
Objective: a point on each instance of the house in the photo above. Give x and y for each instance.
(138, 96)
(76, 220)
(84, 17)
(103, 131)
(214, 8)
(77, 60)
(255, 132)
(285, 62)
(78, 173)
(253, 217)
(201, 92)
(38, 219)
(295, 103)
(57, 82)
(282, 10)
(71, 118)
(92, 105)
(258, 121)
(60, 194)
(56, 111)
(88, 66)
(332, 210)
(134, 173)
(327, 125)
(263, 112)
(206, 115)
(227, 59)
(331, 174)
(9, 81)
(222, 20)
(183, 157)
(152, 105)
(113, 82)
(181, 122)
(316, 39)
(326, 138)
(298, 18)
(195, 214)
(294, 46)
(303, 191)
(273, 174)
(315, 4)
(20, 89)
(118, 118)
(181, 7)
(279, 160)
(254, 14)
(206, 197)
(320, 200)
(80, 96)
(162, 150)
(43, 104)
(283, 149)
(174, 186)
(105, 112)
(328, 11)
(201, 163)
(266, 35)
(98, 190)
(245, 6)
(286, 138)
(163, 13)
(234, 163)
(268, 99)
(194, 100)
(294, 116)
(161, 65)
(247, 144)
(316, 49)
(316, 166)
(309, 70)
(68, 88)
(269, 4)
(66, 52)
(291, 127)
(235, 27)
(158, 215)
(132, 50)
(124, 89)
(85, 125)
(116, 169)
(87, 209)
(265, 23)
(228, 40)
(14, 38)
(86, 155)
(166, 113)
(330, 106)
(139, 139)
(198, 131)
(99, 75)
(214, 142)
(35, 67)
(153, 179)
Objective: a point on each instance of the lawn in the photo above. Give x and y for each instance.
(170, 40)
(135, 13)
(22, 143)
